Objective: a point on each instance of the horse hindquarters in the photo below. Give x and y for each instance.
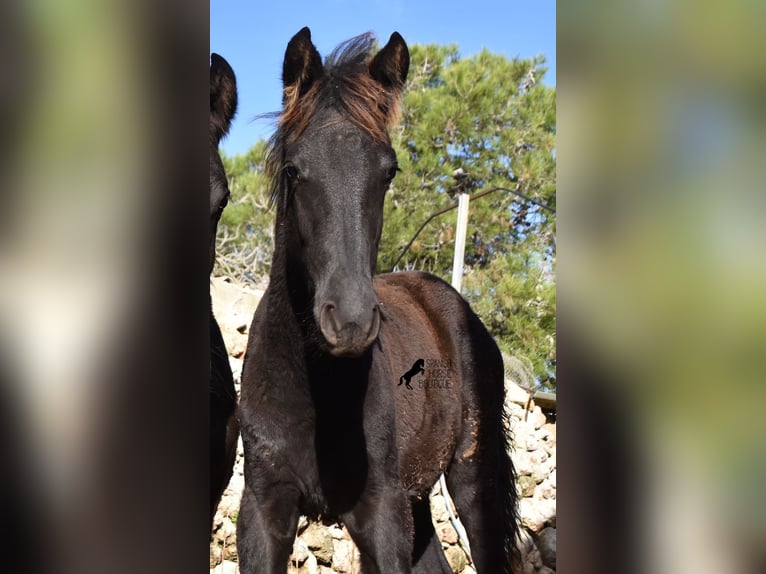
(481, 477)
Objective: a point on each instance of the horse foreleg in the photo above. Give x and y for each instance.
(427, 556)
(266, 528)
(381, 526)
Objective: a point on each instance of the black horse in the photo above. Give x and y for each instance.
(416, 369)
(223, 398)
(326, 433)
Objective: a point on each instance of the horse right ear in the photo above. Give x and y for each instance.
(302, 66)
(223, 95)
(391, 64)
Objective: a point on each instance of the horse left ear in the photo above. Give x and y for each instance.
(391, 64)
(302, 65)
(223, 95)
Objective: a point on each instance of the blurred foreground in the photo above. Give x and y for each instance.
(662, 279)
(103, 320)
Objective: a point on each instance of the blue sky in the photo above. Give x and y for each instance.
(252, 36)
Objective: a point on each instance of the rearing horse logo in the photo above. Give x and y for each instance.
(407, 377)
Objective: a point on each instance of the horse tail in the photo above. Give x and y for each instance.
(506, 478)
(506, 475)
(497, 436)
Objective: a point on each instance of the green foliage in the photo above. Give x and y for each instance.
(491, 119)
(245, 231)
(483, 118)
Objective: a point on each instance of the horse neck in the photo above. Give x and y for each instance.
(291, 300)
(291, 296)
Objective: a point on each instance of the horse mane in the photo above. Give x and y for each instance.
(346, 86)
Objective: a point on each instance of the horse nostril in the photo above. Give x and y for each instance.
(328, 323)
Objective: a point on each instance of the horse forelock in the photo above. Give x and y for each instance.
(345, 86)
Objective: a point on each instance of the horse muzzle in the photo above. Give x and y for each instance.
(349, 330)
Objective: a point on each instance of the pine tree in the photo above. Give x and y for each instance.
(470, 125)
(467, 125)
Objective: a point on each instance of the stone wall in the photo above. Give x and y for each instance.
(326, 549)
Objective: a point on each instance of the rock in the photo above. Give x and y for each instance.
(229, 505)
(236, 367)
(338, 533)
(548, 432)
(217, 520)
(542, 465)
(236, 486)
(300, 553)
(522, 461)
(319, 541)
(537, 418)
(535, 514)
(515, 412)
(226, 567)
(226, 530)
(216, 555)
(446, 533)
(233, 307)
(343, 556)
(456, 558)
(526, 486)
(515, 394)
(311, 566)
(531, 560)
(526, 439)
(308, 567)
(549, 448)
(438, 509)
(546, 542)
(545, 490)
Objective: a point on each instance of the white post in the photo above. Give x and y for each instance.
(457, 281)
(462, 224)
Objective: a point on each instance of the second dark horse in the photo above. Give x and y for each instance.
(223, 398)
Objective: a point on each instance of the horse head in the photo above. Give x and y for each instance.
(333, 162)
(223, 105)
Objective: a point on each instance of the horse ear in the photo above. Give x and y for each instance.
(391, 64)
(302, 65)
(223, 95)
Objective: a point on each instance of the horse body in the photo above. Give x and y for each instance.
(328, 432)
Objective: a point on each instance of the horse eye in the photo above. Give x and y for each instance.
(292, 172)
(392, 173)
